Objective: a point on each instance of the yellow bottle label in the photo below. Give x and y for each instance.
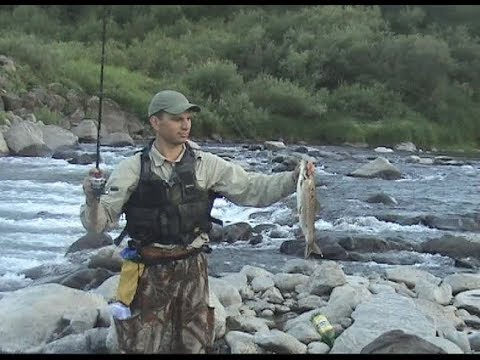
(322, 324)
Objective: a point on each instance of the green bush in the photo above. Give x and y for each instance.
(293, 110)
(132, 90)
(334, 45)
(32, 51)
(33, 19)
(330, 73)
(413, 127)
(365, 102)
(206, 123)
(418, 66)
(340, 131)
(241, 118)
(157, 56)
(3, 117)
(47, 116)
(213, 79)
(286, 99)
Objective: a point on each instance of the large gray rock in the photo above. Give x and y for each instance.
(406, 146)
(4, 151)
(220, 324)
(409, 275)
(279, 342)
(90, 240)
(380, 167)
(455, 246)
(117, 139)
(108, 289)
(248, 324)
(114, 119)
(242, 343)
(25, 138)
(274, 145)
(399, 342)
(384, 312)
(325, 278)
(29, 317)
(468, 300)
(55, 137)
(462, 282)
(288, 282)
(87, 130)
(226, 293)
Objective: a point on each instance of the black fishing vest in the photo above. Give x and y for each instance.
(169, 212)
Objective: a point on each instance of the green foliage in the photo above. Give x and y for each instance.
(334, 45)
(29, 50)
(213, 79)
(284, 98)
(47, 116)
(345, 130)
(3, 117)
(241, 118)
(252, 51)
(407, 20)
(411, 127)
(33, 19)
(157, 56)
(206, 123)
(465, 49)
(365, 103)
(131, 89)
(206, 41)
(417, 66)
(292, 109)
(323, 73)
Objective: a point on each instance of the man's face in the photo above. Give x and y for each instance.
(173, 129)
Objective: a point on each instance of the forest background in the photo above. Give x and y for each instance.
(325, 74)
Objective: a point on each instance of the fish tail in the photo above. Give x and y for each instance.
(316, 249)
(313, 247)
(308, 250)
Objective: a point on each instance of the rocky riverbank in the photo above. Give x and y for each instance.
(257, 311)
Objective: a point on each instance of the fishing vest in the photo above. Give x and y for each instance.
(170, 212)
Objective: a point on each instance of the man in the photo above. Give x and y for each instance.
(166, 193)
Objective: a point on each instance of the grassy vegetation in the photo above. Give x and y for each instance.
(324, 74)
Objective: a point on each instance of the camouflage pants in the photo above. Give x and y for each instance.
(170, 310)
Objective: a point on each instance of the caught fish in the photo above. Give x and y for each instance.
(307, 206)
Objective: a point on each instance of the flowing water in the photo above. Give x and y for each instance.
(40, 200)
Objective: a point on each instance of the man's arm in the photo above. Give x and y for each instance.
(99, 216)
(242, 187)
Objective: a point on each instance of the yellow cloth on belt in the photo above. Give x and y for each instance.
(129, 276)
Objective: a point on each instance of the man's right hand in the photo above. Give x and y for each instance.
(88, 189)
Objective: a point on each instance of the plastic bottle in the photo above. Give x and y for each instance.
(324, 328)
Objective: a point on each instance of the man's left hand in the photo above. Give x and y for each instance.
(310, 170)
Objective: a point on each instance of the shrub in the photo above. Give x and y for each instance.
(213, 79)
(339, 131)
(47, 116)
(365, 102)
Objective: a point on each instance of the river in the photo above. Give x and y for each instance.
(41, 197)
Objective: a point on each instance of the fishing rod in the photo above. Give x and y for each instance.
(98, 180)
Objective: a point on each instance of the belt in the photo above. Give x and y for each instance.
(151, 255)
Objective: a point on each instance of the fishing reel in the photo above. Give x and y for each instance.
(97, 183)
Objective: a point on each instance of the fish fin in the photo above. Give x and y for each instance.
(299, 210)
(316, 249)
(318, 207)
(307, 251)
